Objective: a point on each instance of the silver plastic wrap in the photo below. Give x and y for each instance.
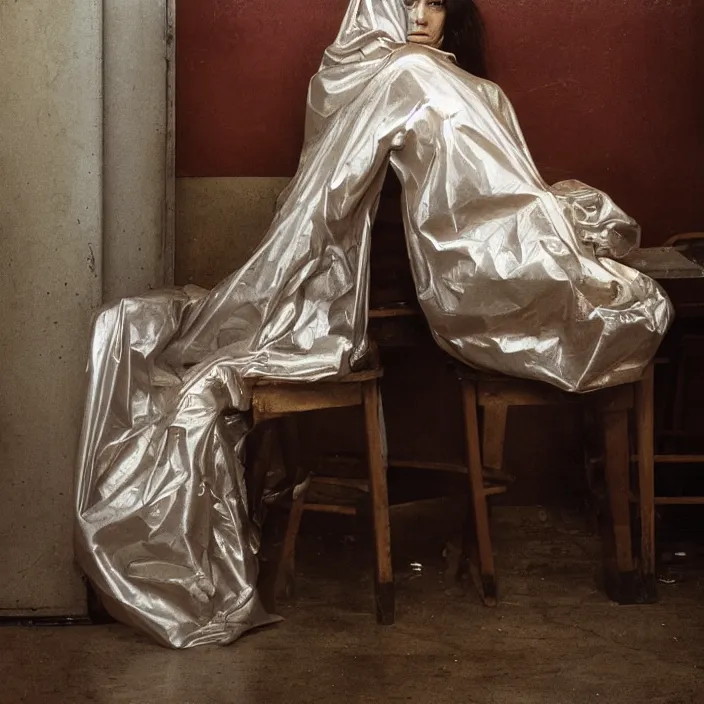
(512, 275)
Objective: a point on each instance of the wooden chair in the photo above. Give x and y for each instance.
(685, 343)
(486, 399)
(282, 401)
(486, 402)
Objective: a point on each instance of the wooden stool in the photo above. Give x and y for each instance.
(648, 462)
(494, 395)
(279, 400)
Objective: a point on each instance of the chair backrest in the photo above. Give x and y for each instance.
(391, 279)
(690, 244)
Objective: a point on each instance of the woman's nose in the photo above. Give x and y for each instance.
(418, 14)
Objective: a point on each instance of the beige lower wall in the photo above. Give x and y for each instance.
(219, 223)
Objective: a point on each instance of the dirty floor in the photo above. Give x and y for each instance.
(554, 639)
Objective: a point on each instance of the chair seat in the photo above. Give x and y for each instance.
(274, 399)
(352, 378)
(511, 391)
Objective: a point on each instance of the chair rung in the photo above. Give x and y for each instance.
(495, 490)
(361, 484)
(679, 459)
(433, 466)
(494, 476)
(675, 459)
(331, 508)
(679, 500)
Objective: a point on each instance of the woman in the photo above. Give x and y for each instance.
(509, 272)
(454, 26)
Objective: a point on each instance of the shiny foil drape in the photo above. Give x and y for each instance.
(513, 276)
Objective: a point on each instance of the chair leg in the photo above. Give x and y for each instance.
(480, 510)
(384, 576)
(285, 585)
(617, 464)
(645, 421)
(494, 440)
(260, 446)
(285, 582)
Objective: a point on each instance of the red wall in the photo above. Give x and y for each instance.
(609, 91)
(243, 70)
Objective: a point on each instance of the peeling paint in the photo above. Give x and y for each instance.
(91, 259)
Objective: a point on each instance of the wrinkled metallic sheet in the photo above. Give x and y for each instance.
(512, 275)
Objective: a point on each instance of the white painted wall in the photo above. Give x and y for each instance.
(72, 230)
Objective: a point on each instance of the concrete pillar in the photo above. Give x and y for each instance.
(50, 285)
(137, 246)
(84, 173)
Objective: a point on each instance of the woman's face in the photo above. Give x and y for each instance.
(426, 22)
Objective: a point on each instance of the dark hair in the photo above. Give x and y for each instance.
(464, 36)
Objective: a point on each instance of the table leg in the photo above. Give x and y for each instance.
(645, 422)
(624, 587)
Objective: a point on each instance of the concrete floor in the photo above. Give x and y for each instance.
(554, 639)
